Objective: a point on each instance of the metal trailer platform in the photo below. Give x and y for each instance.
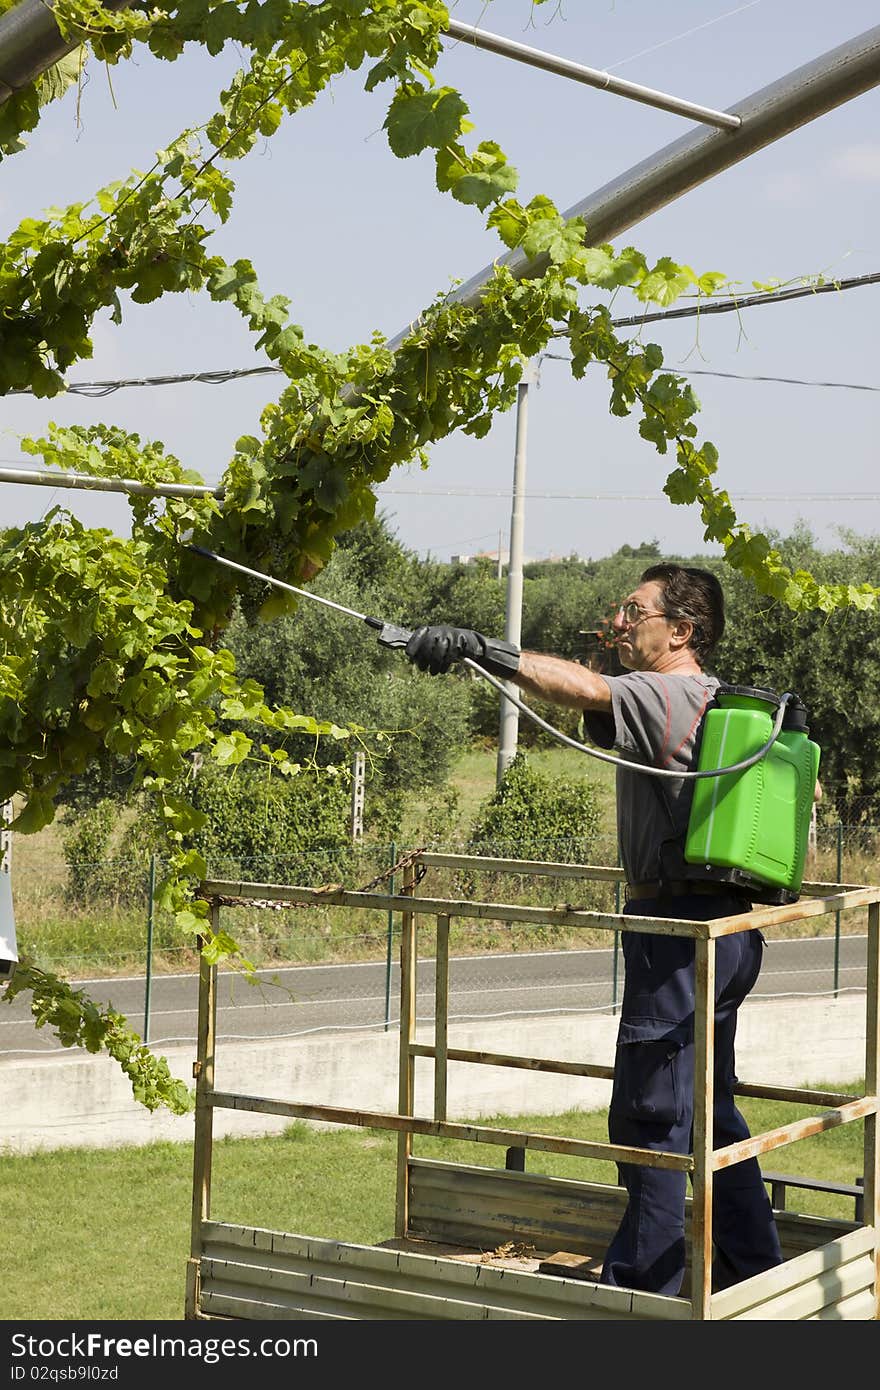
(483, 1242)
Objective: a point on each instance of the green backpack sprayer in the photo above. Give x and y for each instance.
(754, 825)
(755, 777)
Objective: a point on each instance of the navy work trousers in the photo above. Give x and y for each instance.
(652, 1104)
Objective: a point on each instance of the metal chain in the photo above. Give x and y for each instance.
(326, 889)
(403, 863)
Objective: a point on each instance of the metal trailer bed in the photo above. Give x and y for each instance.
(547, 1233)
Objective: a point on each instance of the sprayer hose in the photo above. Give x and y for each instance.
(624, 762)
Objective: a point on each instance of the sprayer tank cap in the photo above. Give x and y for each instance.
(733, 693)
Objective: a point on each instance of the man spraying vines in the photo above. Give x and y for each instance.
(652, 714)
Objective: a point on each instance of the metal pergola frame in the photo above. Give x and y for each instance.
(765, 116)
(30, 42)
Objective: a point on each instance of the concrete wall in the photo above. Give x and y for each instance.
(77, 1100)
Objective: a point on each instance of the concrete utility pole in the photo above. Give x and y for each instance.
(508, 731)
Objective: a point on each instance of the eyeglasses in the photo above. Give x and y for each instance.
(633, 612)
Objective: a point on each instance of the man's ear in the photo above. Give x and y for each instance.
(681, 634)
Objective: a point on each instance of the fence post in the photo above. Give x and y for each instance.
(8, 943)
(356, 815)
(837, 914)
(393, 860)
(148, 981)
(616, 956)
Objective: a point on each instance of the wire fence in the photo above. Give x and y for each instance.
(324, 969)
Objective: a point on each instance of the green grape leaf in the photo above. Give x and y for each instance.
(419, 119)
(38, 811)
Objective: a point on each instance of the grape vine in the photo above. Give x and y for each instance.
(112, 643)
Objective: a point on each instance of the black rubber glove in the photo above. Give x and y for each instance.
(434, 649)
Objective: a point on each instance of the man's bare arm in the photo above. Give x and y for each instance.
(562, 682)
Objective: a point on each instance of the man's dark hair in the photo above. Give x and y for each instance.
(693, 594)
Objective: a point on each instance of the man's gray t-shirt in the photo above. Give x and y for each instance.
(655, 720)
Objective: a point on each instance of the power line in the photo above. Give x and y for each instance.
(106, 388)
(676, 38)
(51, 478)
(750, 301)
(787, 380)
(741, 376)
(786, 497)
(722, 306)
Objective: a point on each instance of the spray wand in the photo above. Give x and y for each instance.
(389, 635)
(393, 636)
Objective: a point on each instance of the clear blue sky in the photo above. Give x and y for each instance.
(359, 241)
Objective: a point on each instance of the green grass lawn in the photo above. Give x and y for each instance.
(104, 1233)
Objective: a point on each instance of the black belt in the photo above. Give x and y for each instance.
(674, 888)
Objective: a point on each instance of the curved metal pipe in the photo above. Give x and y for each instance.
(30, 42)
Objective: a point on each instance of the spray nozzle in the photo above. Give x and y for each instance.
(389, 634)
(186, 539)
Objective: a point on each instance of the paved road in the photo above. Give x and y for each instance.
(318, 998)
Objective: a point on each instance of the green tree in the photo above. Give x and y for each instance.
(535, 816)
(263, 827)
(464, 595)
(558, 606)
